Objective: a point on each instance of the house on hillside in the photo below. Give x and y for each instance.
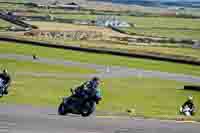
(68, 6)
(117, 24)
(112, 21)
(71, 6)
(42, 5)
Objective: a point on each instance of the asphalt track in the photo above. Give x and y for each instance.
(28, 119)
(102, 70)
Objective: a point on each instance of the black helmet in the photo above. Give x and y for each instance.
(95, 79)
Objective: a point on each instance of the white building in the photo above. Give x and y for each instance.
(112, 21)
(117, 24)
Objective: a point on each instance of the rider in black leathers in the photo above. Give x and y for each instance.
(190, 104)
(88, 90)
(6, 80)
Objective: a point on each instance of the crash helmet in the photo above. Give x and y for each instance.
(190, 98)
(95, 79)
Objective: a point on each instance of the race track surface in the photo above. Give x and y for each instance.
(27, 119)
(102, 70)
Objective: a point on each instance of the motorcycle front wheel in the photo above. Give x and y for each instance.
(88, 109)
(61, 109)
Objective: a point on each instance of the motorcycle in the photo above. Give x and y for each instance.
(77, 105)
(3, 88)
(186, 111)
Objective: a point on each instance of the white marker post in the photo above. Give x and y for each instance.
(107, 69)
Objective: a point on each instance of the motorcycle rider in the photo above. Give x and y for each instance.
(5, 80)
(190, 104)
(89, 89)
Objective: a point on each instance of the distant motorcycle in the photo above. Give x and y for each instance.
(77, 105)
(186, 111)
(3, 87)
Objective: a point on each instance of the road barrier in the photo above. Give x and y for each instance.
(192, 87)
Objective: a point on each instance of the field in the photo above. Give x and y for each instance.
(165, 22)
(166, 49)
(164, 26)
(103, 59)
(146, 95)
(158, 48)
(77, 16)
(4, 25)
(182, 28)
(59, 27)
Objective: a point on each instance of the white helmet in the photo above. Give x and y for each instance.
(190, 98)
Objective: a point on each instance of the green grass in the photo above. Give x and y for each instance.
(7, 6)
(177, 33)
(166, 25)
(143, 22)
(158, 48)
(167, 22)
(105, 59)
(38, 90)
(27, 66)
(155, 48)
(148, 25)
(4, 24)
(11, 7)
(173, 51)
(77, 16)
(144, 25)
(146, 95)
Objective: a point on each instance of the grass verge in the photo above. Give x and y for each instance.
(147, 96)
